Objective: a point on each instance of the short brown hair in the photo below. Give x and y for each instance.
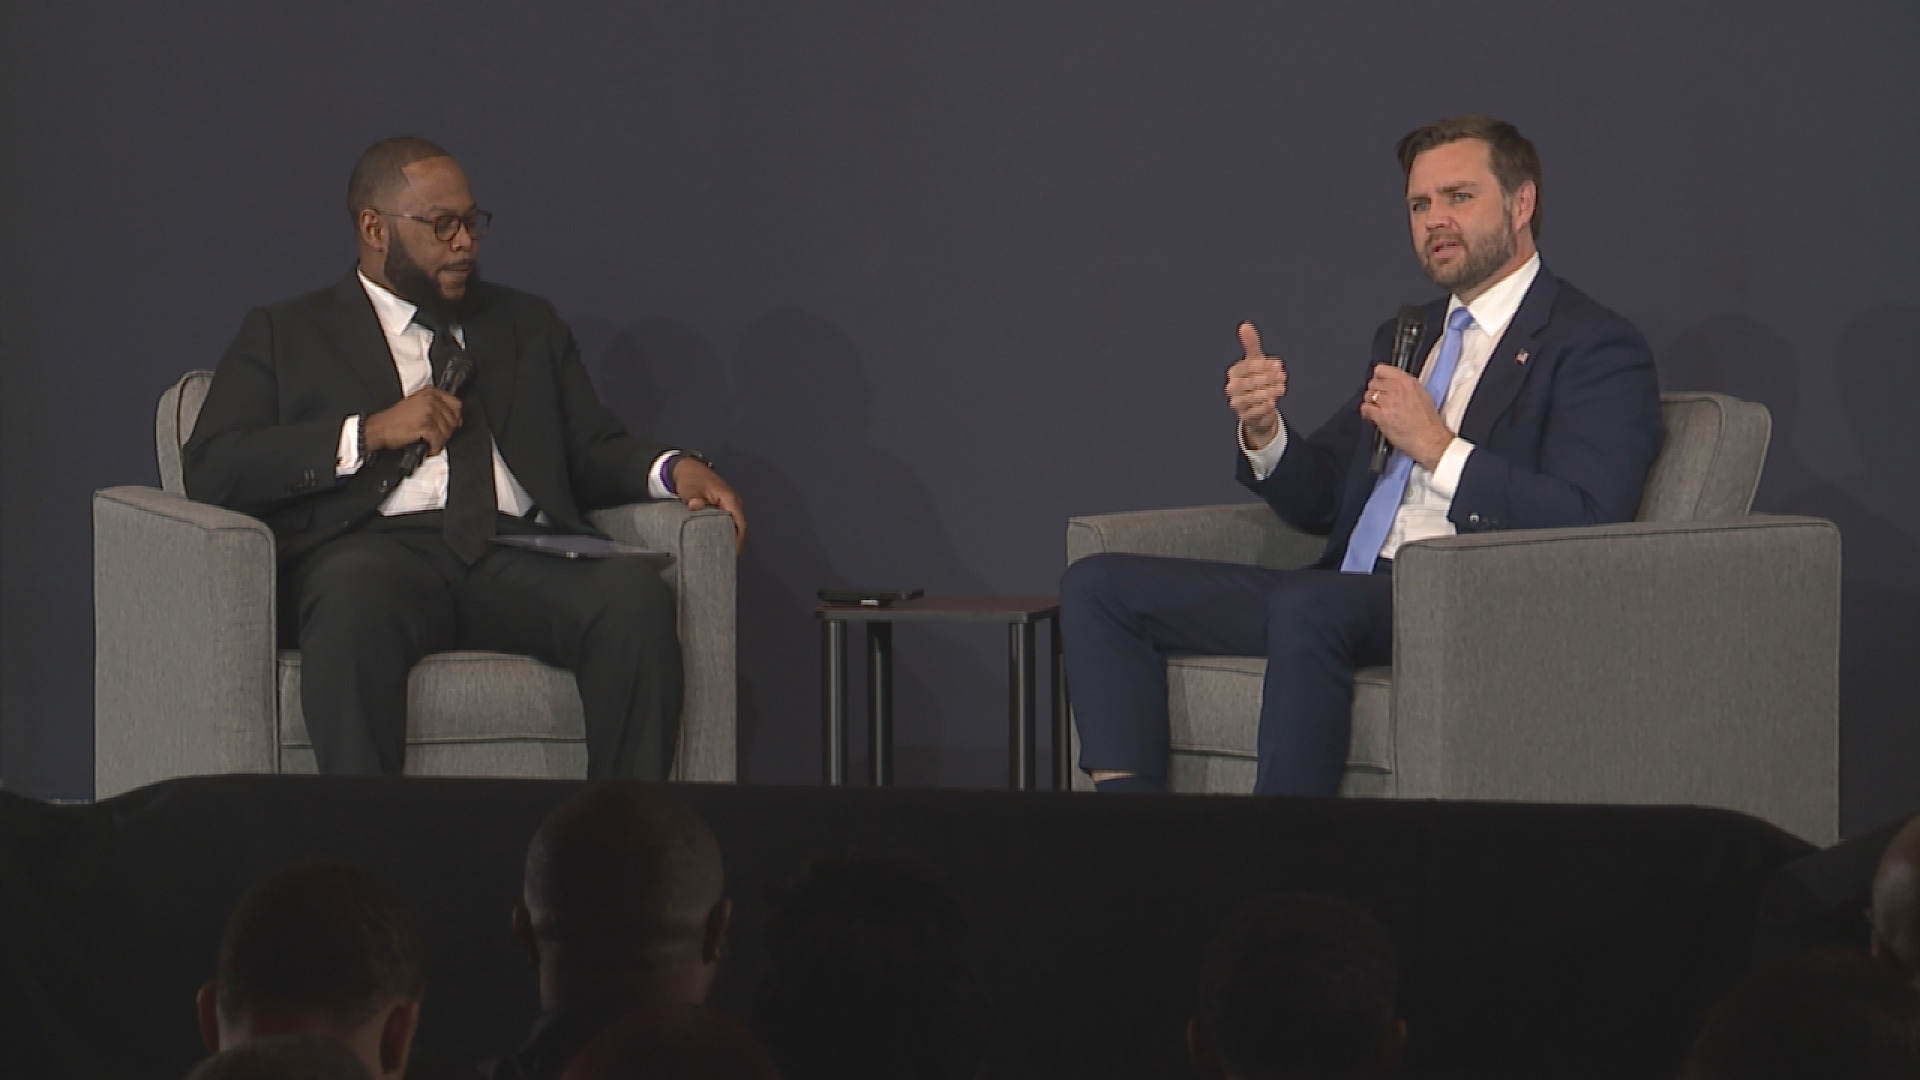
(1514, 159)
(325, 933)
(379, 170)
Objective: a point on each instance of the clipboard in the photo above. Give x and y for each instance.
(579, 546)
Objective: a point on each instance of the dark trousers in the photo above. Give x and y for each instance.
(1123, 615)
(363, 608)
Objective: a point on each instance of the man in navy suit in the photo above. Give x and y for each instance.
(1535, 408)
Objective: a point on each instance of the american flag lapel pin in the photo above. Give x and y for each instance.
(1521, 356)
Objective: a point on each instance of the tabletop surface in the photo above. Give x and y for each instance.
(1010, 609)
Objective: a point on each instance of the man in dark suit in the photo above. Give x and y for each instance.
(308, 425)
(1536, 408)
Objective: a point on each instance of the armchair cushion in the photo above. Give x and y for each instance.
(468, 713)
(1245, 533)
(1210, 697)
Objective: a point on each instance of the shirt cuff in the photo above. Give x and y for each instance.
(657, 476)
(1267, 458)
(346, 458)
(1446, 475)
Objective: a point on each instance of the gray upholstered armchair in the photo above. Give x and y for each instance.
(188, 679)
(1690, 656)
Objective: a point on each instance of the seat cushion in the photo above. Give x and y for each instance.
(464, 698)
(1213, 707)
(527, 759)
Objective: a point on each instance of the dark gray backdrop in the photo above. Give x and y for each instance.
(928, 278)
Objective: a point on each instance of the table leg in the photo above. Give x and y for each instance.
(833, 701)
(880, 703)
(1062, 717)
(1020, 706)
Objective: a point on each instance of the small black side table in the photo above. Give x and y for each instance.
(1018, 612)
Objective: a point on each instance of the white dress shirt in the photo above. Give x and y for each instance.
(1429, 498)
(426, 489)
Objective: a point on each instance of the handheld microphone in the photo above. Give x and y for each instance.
(1408, 326)
(453, 379)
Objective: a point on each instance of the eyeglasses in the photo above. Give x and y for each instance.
(446, 226)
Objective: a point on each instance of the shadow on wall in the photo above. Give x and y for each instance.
(789, 430)
(1877, 376)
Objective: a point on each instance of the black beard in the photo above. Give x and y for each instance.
(411, 282)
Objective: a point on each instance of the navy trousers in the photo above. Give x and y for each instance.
(1123, 615)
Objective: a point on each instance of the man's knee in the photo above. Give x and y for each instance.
(1093, 582)
(1324, 606)
(633, 596)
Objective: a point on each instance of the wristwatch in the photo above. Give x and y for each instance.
(666, 471)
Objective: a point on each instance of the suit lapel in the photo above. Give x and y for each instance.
(492, 347)
(1505, 373)
(360, 343)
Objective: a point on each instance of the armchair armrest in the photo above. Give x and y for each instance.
(183, 599)
(702, 577)
(1655, 662)
(1246, 533)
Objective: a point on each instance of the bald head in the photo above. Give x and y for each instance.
(622, 874)
(1896, 901)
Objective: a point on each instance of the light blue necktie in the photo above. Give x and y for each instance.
(1376, 518)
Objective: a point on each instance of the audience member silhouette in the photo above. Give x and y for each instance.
(284, 1057)
(869, 977)
(673, 1042)
(1895, 910)
(624, 906)
(1824, 1013)
(321, 947)
(1298, 986)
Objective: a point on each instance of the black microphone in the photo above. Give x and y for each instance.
(1408, 326)
(453, 379)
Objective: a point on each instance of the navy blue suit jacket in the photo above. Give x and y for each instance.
(1565, 424)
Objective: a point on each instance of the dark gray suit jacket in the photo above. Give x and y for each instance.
(266, 438)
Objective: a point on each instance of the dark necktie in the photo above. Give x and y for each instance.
(468, 521)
